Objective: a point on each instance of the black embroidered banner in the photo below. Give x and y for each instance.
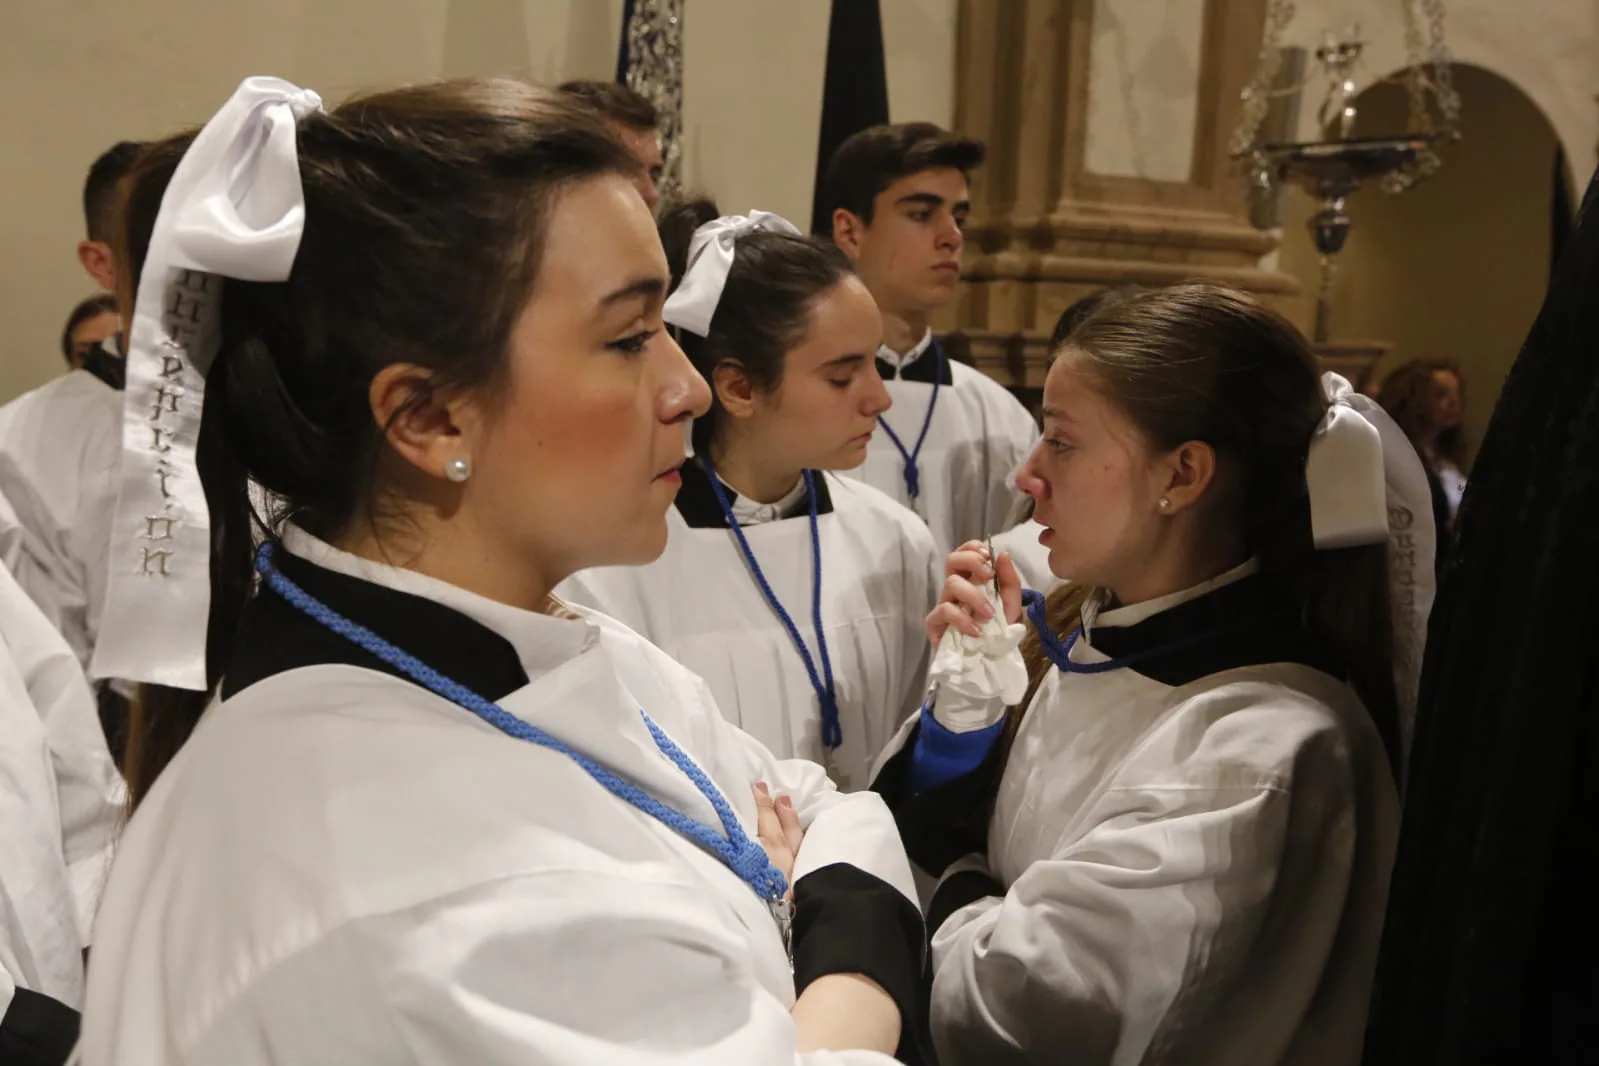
(854, 89)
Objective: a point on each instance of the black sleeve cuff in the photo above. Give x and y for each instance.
(963, 888)
(37, 1031)
(848, 921)
(945, 822)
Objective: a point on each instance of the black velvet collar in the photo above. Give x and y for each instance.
(925, 368)
(1250, 622)
(696, 500)
(275, 637)
(108, 368)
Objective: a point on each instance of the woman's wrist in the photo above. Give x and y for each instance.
(846, 1011)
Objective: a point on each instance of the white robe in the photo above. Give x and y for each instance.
(342, 867)
(60, 806)
(41, 944)
(60, 449)
(700, 604)
(979, 436)
(1188, 869)
(91, 796)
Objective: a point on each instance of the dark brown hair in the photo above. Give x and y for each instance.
(1078, 310)
(100, 189)
(1405, 396)
(875, 158)
(92, 307)
(1200, 362)
(425, 210)
(765, 308)
(615, 101)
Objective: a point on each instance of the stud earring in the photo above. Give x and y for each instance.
(458, 469)
(1165, 504)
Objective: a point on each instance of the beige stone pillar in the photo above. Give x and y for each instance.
(1107, 124)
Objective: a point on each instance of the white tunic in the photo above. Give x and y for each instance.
(700, 604)
(342, 867)
(1190, 863)
(979, 436)
(41, 943)
(91, 797)
(60, 806)
(60, 447)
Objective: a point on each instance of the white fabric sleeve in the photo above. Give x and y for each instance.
(90, 532)
(91, 794)
(561, 969)
(848, 827)
(1120, 945)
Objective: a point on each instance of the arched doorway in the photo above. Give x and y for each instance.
(1455, 268)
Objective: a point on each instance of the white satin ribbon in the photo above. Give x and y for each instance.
(710, 256)
(235, 208)
(1344, 473)
(1412, 544)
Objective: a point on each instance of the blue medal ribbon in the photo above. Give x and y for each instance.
(912, 473)
(745, 857)
(822, 683)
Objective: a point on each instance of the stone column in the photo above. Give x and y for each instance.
(1107, 124)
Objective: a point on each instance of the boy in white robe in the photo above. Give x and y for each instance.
(955, 437)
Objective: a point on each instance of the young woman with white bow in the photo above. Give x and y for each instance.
(1175, 847)
(797, 594)
(399, 804)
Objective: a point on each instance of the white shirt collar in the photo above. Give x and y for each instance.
(750, 513)
(1137, 612)
(900, 362)
(542, 641)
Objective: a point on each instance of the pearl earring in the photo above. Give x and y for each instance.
(1165, 504)
(458, 469)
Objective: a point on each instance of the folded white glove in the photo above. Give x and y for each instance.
(976, 678)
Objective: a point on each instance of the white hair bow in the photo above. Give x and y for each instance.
(1344, 473)
(235, 208)
(710, 257)
(1412, 540)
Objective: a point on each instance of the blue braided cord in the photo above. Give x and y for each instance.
(1059, 651)
(913, 475)
(826, 692)
(744, 856)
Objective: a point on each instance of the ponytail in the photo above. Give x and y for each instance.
(162, 718)
(1344, 601)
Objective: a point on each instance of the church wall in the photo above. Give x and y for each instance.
(1455, 268)
(76, 77)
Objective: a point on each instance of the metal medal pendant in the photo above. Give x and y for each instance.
(835, 772)
(783, 914)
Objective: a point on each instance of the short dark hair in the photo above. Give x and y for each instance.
(877, 157)
(93, 307)
(100, 188)
(615, 101)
